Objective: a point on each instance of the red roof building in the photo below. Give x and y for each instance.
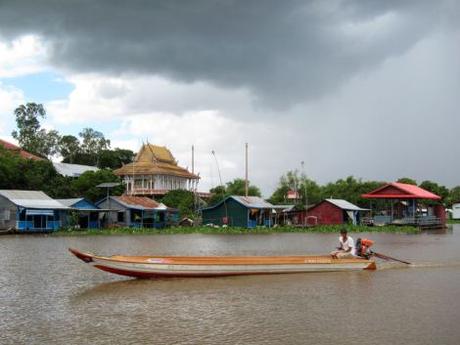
(404, 206)
(400, 191)
(292, 195)
(17, 150)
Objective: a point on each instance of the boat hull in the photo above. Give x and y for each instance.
(153, 267)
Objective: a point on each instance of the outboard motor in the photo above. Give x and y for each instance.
(363, 248)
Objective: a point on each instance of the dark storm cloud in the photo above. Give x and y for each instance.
(283, 51)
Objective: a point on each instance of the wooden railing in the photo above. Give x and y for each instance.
(417, 221)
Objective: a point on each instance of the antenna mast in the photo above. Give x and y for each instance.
(221, 183)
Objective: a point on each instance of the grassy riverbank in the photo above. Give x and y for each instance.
(233, 230)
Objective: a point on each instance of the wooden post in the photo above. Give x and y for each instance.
(246, 182)
(193, 159)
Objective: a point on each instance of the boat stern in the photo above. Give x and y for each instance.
(372, 265)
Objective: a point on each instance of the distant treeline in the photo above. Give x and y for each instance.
(94, 149)
(91, 148)
(350, 189)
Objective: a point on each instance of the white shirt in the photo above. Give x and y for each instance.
(349, 243)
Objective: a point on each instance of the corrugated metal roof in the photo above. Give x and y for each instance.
(284, 208)
(408, 191)
(138, 202)
(69, 202)
(252, 201)
(345, 205)
(249, 202)
(108, 184)
(31, 199)
(72, 170)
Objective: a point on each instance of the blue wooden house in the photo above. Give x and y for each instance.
(30, 211)
(138, 212)
(240, 211)
(86, 214)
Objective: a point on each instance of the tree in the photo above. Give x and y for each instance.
(85, 184)
(218, 193)
(181, 199)
(30, 135)
(93, 143)
(308, 190)
(287, 182)
(238, 187)
(27, 174)
(69, 148)
(435, 188)
(114, 159)
(407, 180)
(47, 142)
(235, 187)
(454, 196)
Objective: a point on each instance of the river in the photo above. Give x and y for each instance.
(49, 297)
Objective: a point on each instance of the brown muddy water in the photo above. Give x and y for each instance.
(49, 297)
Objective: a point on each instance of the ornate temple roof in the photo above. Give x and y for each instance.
(154, 160)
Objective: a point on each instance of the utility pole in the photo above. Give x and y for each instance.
(193, 159)
(305, 189)
(192, 182)
(246, 181)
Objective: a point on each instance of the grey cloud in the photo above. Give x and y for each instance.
(284, 52)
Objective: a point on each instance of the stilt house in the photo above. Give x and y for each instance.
(137, 211)
(88, 215)
(240, 211)
(30, 211)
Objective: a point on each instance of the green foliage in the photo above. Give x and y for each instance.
(235, 187)
(349, 189)
(94, 150)
(407, 180)
(183, 200)
(236, 230)
(114, 159)
(30, 135)
(69, 148)
(93, 143)
(85, 184)
(27, 174)
(454, 196)
(437, 189)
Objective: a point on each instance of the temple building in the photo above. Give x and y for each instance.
(155, 172)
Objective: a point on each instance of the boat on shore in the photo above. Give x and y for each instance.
(217, 266)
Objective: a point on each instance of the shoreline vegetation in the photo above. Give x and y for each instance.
(235, 230)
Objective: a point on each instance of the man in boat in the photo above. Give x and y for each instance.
(346, 248)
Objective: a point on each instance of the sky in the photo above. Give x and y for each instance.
(363, 88)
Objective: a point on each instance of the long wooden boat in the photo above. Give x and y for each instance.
(209, 266)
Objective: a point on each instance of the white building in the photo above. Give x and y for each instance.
(456, 211)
